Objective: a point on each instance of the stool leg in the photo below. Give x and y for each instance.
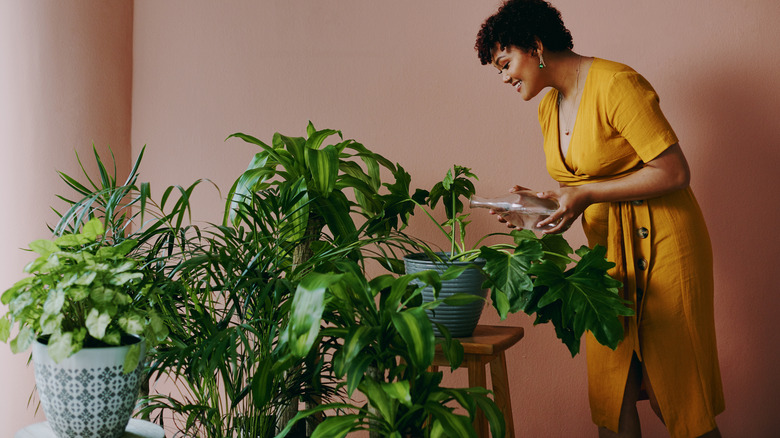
(501, 391)
(477, 377)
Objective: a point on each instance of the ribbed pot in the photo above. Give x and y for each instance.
(460, 320)
(87, 395)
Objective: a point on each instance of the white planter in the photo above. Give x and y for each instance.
(87, 395)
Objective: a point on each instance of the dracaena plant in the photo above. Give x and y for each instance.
(82, 292)
(328, 177)
(384, 348)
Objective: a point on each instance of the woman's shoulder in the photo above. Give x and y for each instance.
(607, 68)
(611, 76)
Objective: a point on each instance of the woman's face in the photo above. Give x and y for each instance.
(519, 69)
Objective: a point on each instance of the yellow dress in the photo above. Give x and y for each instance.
(660, 246)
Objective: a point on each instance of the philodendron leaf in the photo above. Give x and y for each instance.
(509, 272)
(588, 296)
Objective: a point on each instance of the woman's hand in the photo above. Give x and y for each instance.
(572, 201)
(500, 214)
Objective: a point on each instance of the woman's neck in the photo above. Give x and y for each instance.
(566, 71)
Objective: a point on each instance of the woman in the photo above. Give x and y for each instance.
(619, 165)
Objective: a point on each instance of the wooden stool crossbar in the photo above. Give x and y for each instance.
(487, 345)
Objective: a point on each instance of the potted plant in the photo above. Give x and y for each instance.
(333, 184)
(385, 348)
(88, 311)
(457, 319)
(540, 276)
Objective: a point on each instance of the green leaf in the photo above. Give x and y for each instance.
(132, 359)
(324, 167)
(399, 391)
(97, 323)
(416, 331)
(379, 399)
(356, 340)
(44, 247)
(131, 323)
(509, 272)
(60, 346)
(23, 340)
(5, 328)
(263, 389)
(493, 414)
(454, 425)
(356, 370)
(306, 312)
(92, 229)
(588, 296)
(337, 427)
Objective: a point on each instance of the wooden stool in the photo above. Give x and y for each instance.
(487, 345)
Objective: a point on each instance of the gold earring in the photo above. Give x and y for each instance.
(541, 61)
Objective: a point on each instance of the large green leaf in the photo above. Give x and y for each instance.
(588, 296)
(509, 273)
(415, 328)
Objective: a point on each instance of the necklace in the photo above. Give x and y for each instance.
(566, 128)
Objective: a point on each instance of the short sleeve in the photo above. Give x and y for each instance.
(636, 114)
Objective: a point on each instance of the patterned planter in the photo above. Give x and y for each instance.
(87, 395)
(460, 320)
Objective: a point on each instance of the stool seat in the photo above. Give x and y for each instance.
(487, 345)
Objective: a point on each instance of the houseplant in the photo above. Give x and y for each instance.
(540, 276)
(115, 247)
(385, 347)
(83, 295)
(333, 185)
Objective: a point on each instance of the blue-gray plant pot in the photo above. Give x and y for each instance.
(460, 320)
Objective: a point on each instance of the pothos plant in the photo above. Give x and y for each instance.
(82, 292)
(539, 276)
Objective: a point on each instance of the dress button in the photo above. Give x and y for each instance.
(640, 202)
(643, 233)
(641, 264)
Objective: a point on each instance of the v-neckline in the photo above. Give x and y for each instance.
(565, 157)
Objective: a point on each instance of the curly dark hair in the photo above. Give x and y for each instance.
(519, 23)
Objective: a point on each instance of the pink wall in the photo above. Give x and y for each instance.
(402, 78)
(65, 82)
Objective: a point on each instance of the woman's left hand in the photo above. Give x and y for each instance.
(572, 201)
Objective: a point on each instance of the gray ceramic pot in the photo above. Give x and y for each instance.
(87, 395)
(460, 320)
